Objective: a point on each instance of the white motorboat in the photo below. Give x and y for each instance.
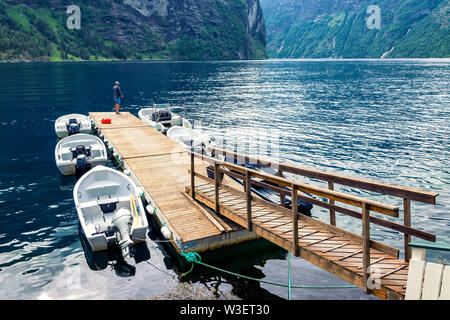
(110, 210)
(190, 139)
(71, 124)
(161, 117)
(79, 153)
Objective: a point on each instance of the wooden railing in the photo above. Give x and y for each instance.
(407, 194)
(287, 187)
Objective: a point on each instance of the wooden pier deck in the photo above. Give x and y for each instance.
(174, 181)
(159, 166)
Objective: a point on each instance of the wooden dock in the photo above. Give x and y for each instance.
(370, 265)
(160, 167)
(175, 183)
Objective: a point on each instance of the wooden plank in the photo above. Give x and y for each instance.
(336, 247)
(445, 287)
(295, 220)
(366, 244)
(415, 280)
(350, 255)
(248, 192)
(318, 241)
(407, 223)
(376, 261)
(216, 187)
(223, 227)
(432, 281)
(282, 198)
(332, 212)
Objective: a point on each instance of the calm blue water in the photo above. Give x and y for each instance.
(387, 121)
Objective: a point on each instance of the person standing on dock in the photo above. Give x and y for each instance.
(117, 96)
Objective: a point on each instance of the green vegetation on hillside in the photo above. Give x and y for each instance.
(321, 29)
(31, 31)
(30, 34)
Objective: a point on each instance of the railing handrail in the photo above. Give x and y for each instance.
(383, 188)
(322, 192)
(381, 222)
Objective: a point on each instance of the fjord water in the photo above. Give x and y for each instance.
(384, 120)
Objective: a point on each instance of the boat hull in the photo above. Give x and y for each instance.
(102, 183)
(145, 115)
(63, 155)
(61, 124)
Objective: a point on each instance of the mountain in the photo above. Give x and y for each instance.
(132, 29)
(345, 29)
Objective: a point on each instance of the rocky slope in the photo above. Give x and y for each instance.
(338, 28)
(133, 29)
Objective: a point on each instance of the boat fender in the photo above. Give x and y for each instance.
(166, 232)
(150, 210)
(127, 172)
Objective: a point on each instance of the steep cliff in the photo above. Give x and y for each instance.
(339, 28)
(133, 29)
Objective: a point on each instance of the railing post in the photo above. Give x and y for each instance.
(282, 199)
(366, 245)
(295, 220)
(248, 191)
(407, 223)
(192, 176)
(332, 212)
(216, 186)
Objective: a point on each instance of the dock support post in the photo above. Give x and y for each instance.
(192, 176)
(282, 199)
(216, 186)
(366, 246)
(407, 223)
(295, 220)
(248, 191)
(332, 212)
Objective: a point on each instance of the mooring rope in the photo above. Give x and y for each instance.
(194, 258)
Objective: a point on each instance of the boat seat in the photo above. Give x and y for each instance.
(107, 203)
(91, 210)
(101, 188)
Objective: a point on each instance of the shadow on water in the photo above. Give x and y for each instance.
(100, 260)
(243, 258)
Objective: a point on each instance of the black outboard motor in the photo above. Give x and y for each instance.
(162, 115)
(82, 154)
(73, 127)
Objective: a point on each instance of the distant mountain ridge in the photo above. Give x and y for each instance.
(133, 29)
(338, 29)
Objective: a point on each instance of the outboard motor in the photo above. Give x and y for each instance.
(73, 127)
(122, 220)
(82, 154)
(82, 165)
(162, 115)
